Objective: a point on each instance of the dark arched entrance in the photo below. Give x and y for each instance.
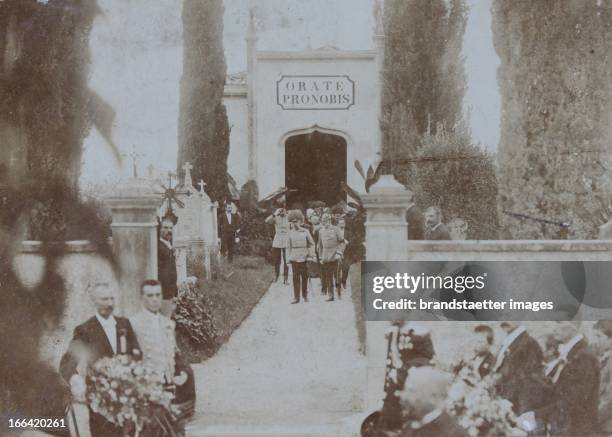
(315, 167)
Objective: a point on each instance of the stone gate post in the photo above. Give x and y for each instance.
(386, 228)
(134, 211)
(386, 240)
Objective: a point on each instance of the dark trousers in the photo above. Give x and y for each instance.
(327, 277)
(280, 254)
(227, 246)
(338, 276)
(344, 271)
(300, 279)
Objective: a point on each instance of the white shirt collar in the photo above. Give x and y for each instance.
(151, 314)
(511, 338)
(436, 226)
(566, 348)
(506, 345)
(110, 322)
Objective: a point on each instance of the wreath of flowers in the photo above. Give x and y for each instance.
(478, 409)
(128, 394)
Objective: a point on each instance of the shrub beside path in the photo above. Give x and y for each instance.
(288, 370)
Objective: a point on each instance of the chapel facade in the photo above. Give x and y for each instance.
(301, 119)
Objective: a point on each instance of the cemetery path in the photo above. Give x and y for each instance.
(288, 370)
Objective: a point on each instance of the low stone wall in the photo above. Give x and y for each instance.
(80, 267)
(508, 250)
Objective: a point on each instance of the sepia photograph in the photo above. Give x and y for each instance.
(305, 218)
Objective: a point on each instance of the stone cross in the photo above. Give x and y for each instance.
(201, 184)
(134, 157)
(187, 167)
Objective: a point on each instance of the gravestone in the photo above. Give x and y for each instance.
(133, 207)
(195, 233)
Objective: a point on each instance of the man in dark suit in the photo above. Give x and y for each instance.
(103, 335)
(520, 369)
(229, 226)
(573, 403)
(416, 223)
(435, 229)
(166, 265)
(483, 360)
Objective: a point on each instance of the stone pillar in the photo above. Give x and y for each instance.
(134, 226)
(386, 227)
(386, 240)
(251, 43)
(379, 47)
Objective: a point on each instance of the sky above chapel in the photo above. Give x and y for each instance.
(136, 50)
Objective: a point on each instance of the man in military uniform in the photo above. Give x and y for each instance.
(330, 248)
(409, 347)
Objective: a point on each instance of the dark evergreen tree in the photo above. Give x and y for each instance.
(555, 79)
(203, 127)
(423, 74)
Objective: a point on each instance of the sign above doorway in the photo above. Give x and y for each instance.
(315, 92)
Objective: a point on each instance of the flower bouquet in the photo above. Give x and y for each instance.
(128, 394)
(473, 401)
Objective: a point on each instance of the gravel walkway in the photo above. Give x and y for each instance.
(288, 370)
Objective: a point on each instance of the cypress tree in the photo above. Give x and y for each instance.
(203, 126)
(423, 75)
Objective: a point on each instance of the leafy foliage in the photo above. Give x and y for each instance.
(193, 317)
(556, 87)
(450, 172)
(203, 125)
(44, 108)
(423, 76)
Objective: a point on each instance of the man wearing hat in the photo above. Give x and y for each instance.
(300, 250)
(330, 247)
(279, 244)
(411, 346)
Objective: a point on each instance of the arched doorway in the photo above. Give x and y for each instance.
(315, 167)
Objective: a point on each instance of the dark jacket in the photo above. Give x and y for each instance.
(573, 402)
(92, 336)
(439, 233)
(485, 367)
(487, 364)
(522, 375)
(227, 229)
(605, 393)
(416, 223)
(166, 270)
